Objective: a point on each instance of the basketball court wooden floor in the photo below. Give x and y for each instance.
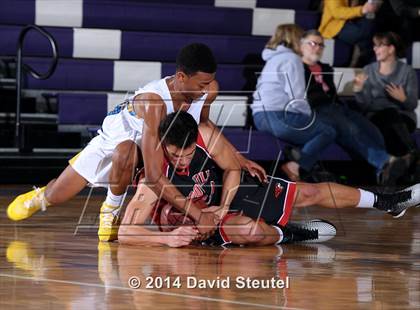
(373, 263)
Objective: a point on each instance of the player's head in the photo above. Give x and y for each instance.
(388, 45)
(195, 70)
(178, 133)
(288, 35)
(312, 45)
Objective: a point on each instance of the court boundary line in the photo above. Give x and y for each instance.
(218, 300)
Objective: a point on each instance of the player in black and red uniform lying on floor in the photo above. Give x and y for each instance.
(248, 212)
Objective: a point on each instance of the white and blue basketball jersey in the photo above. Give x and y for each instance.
(160, 87)
(123, 123)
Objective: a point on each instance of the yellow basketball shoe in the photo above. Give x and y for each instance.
(27, 204)
(108, 222)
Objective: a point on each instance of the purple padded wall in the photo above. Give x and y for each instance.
(418, 80)
(161, 2)
(35, 43)
(342, 54)
(82, 109)
(17, 12)
(284, 4)
(164, 18)
(230, 77)
(164, 46)
(74, 74)
(307, 19)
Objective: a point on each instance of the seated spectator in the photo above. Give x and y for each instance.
(402, 17)
(349, 24)
(355, 133)
(387, 92)
(278, 106)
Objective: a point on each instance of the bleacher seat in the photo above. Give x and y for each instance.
(35, 43)
(284, 4)
(227, 49)
(90, 109)
(273, 4)
(83, 109)
(108, 48)
(107, 75)
(166, 18)
(150, 16)
(226, 111)
(130, 45)
(415, 55)
(127, 45)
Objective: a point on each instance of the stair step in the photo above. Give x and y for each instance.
(35, 168)
(30, 118)
(5, 82)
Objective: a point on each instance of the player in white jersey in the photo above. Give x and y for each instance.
(122, 124)
(110, 159)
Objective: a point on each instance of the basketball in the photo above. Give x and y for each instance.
(171, 218)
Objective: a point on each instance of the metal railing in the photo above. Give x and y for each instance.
(21, 66)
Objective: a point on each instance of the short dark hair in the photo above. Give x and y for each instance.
(196, 57)
(179, 129)
(391, 38)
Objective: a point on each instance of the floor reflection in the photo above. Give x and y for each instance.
(375, 264)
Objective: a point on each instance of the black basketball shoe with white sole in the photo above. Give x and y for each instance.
(397, 203)
(313, 231)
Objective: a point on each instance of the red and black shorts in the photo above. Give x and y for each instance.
(271, 202)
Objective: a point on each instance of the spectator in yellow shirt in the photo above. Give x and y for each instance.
(348, 23)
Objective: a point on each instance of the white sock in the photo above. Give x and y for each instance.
(367, 199)
(280, 234)
(114, 200)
